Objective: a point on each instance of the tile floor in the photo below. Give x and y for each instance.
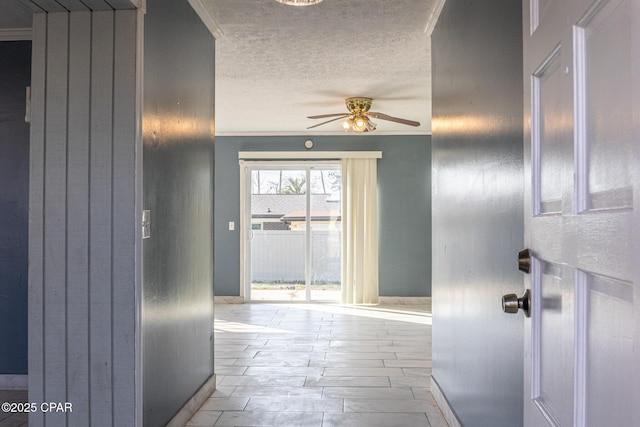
(324, 365)
(14, 419)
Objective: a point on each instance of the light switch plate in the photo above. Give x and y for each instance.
(146, 224)
(232, 225)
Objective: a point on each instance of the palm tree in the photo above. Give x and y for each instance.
(294, 186)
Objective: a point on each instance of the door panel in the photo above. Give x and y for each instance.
(539, 12)
(604, 105)
(550, 141)
(581, 214)
(553, 346)
(608, 352)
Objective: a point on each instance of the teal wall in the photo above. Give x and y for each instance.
(478, 211)
(404, 198)
(15, 76)
(177, 314)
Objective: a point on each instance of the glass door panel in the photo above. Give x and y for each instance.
(295, 233)
(278, 207)
(326, 234)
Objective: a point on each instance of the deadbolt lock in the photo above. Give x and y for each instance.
(524, 260)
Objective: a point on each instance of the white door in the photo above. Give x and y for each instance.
(582, 138)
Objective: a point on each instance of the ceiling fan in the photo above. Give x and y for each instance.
(358, 119)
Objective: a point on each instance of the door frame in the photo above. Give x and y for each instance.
(246, 167)
(274, 156)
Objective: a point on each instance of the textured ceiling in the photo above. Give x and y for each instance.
(277, 64)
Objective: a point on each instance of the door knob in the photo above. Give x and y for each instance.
(511, 303)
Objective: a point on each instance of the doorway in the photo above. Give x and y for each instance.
(292, 231)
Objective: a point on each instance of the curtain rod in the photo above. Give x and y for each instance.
(303, 155)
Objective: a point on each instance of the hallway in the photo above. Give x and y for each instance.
(298, 365)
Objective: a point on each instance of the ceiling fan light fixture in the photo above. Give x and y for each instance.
(371, 126)
(358, 104)
(299, 2)
(360, 124)
(358, 119)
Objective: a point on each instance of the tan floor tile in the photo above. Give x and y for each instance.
(322, 365)
(375, 420)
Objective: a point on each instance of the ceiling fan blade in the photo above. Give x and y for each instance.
(383, 116)
(329, 121)
(322, 116)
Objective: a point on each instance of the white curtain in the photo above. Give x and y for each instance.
(359, 231)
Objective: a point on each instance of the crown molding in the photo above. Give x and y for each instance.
(433, 17)
(15, 34)
(207, 18)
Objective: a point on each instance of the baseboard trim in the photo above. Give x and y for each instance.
(15, 34)
(14, 382)
(446, 409)
(405, 301)
(228, 300)
(191, 407)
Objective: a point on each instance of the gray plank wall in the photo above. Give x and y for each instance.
(15, 73)
(84, 203)
(478, 209)
(79, 5)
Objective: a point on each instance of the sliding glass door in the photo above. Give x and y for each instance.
(325, 234)
(292, 231)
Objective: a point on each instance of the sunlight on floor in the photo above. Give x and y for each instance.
(321, 365)
(237, 327)
(404, 313)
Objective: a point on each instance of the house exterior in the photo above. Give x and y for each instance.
(287, 212)
(108, 310)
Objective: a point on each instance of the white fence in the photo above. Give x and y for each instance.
(278, 256)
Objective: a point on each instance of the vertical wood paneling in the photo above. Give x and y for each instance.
(36, 213)
(124, 229)
(49, 5)
(97, 5)
(83, 233)
(124, 4)
(100, 217)
(31, 6)
(73, 5)
(79, 5)
(55, 375)
(78, 217)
